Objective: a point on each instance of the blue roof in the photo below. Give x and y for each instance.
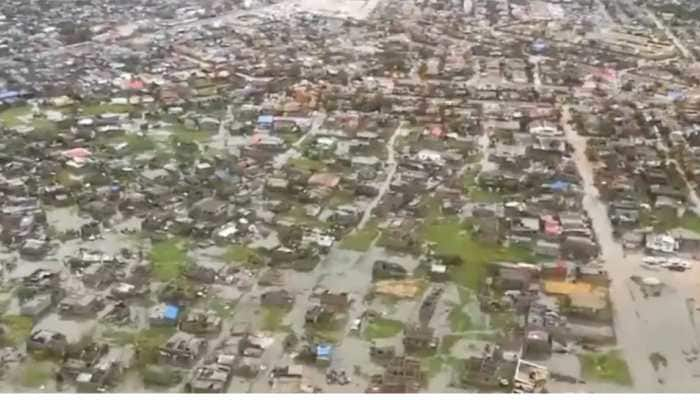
(171, 311)
(265, 119)
(324, 350)
(559, 185)
(8, 94)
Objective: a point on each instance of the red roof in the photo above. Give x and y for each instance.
(135, 84)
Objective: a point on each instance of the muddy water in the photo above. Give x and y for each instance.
(642, 327)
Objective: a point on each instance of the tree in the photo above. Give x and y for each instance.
(423, 71)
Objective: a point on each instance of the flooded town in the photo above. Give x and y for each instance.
(349, 196)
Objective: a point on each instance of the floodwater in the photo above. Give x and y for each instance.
(643, 326)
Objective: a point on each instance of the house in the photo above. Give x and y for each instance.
(514, 279)
(335, 302)
(81, 358)
(208, 209)
(382, 354)
(202, 274)
(663, 244)
(538, 343)
(388, 270)
(37, 305)
(365, 162)
(427, 307)
(198, 322)
(487, 373)
(265, 121)
(99, 378)
(529, 377)
(591, 305)
(547, 248)
(81, 305)
(324, 353)
(277, 298)
(211, 378)
(34, 249)
(182, 350)
(401, 375)
(47, 341)
(687, 241)
(164, 315)
(418, 338)
(317, 314)
(580, 248)
(123, 290)
(438, 272)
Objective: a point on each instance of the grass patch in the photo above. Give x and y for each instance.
(447, 343)
(433, 365)
(12, 117)
(663, 220)
(34, 374)
(17, 329)
(273, 318)
(106, 108)
(382, 328)
(139, 144)
(298, 214)
(328, 331)
(459, 320)
(340, 197)
(146, 342)
(307, 164)
(453, 237)
(223, 309)
(360, 240)
(605, 367)
(183, 134)
(691, 221)
(43, 126)
(237, 254)
(169, 259)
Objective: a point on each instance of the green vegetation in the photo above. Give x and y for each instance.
(691, 221)
(273, 318)
(43, 127)
(169, 259)
(35, 374)
(605, 367)
(382, 328)
(242, 254)
(360, 240)
(156, 375)
(307, 164)
(459, 320)
(340, 197)
(433, 365)
(139, 144)
(146, 342)
(12, 117)
(447, 343)
(17, 329)
(222, 308)
(183, 134)
(298, 214)
(327, 332)
(453, 237)
(106, 108)
(477, 193)
(664, 219)
(658, 360)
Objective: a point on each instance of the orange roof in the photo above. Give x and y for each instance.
(566, 288)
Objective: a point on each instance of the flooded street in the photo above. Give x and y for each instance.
(642, 326)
